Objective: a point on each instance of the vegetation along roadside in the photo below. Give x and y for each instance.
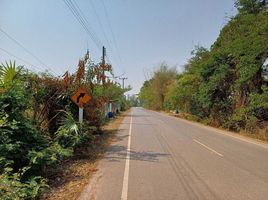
(68, 181)
(225, 86)
(40, 134)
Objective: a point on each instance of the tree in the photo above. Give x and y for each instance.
(227, 84)
(251, 6)
(147, 95)
(154, 91)
(162, 78)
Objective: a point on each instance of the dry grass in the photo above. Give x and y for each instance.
(259, 134)
(70, 178)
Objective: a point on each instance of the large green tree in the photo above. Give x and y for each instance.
(154, 91)
(251, 6)
(227, 84)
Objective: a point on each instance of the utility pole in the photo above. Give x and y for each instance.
(103, 64)
(123, 81)
(103, 55)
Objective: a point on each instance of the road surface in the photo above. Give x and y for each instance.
(161, 157)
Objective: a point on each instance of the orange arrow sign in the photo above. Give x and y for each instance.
(81, 97)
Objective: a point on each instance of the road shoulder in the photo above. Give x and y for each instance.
(111, 164)
(75, 174)
(235, 135)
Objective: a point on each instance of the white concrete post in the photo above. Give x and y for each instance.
(81, 114)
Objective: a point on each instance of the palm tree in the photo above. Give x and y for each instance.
(8, 72)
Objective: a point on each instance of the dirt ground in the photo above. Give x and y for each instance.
(69, 180)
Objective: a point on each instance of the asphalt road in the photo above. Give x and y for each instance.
(161, 157)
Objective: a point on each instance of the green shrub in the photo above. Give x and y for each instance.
(48, 157)
(12, 187)
(251, 124)
(258, 104)
(18, 135)
(71, 133)
(237, 121)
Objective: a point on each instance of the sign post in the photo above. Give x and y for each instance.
(81, 110)
(80, 98)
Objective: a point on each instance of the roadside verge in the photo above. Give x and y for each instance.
(73, 175)
(238, 135)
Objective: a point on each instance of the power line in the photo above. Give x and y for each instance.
(87, 23)
(11, 54)
(79, 16)
(26, 50)
(110, 27)
(80, 21)
(99, 21)
(101, 26)
(113, 36)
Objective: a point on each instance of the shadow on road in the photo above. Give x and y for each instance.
(128, 115)
(140, 124)
(117, 153)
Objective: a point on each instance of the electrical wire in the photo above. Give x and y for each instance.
(101, 25)
(82, 20)
(79, 16)
(26, 50)
(86, 22)
(113, 36)
(111, 29)
(25, 61)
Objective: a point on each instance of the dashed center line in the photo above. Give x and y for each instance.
(208, 148)
(126, 173)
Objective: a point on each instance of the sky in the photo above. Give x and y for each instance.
(138, 34)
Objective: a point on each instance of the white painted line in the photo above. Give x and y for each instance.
(208, 148)
(223, 132)
(126, 173)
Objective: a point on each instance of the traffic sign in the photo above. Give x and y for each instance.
(81, 97)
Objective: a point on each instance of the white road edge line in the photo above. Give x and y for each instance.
(208, 148)
(126, 173)
(223, 132)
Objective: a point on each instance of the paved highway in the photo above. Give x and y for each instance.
(157, 156)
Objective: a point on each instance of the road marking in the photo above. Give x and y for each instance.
(126, 173)
(208, 148)
(223, 132)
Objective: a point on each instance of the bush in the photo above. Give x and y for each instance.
(237, 121)
(18, 135)
(48, 157)
(189, 117)
(13, 187)
(24, 150)
(71, 133)
(251, 124)
(36, 131)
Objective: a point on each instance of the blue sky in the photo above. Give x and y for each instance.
(138, 34)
